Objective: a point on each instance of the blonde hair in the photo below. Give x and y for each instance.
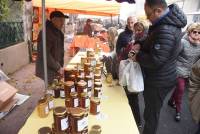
(193, 26)
(112, 32)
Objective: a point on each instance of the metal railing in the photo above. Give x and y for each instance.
(11, 33)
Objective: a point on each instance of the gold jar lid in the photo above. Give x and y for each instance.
(97, 80)
(98, 83)
(77, 112)
(84, 94)
(97, 75)
(96, 128)
(69, 83)
(42, 101)
(95, 99)
(59, 110)
(97, 68)
(88, 77)
(72, 76)
(67, 69)
(82, 83)
(81, 70)
(73, 94)
(80, 77)
(99, 64)
(97, 88)
(87, 64)
(44, 130)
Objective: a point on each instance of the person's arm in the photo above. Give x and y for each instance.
(159, 52)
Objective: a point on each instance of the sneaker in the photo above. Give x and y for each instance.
(178, 117)
(139, 125)
(172, 104)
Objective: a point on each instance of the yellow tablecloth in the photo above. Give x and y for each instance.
(115, 117)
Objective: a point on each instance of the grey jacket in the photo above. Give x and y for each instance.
(187, 57)
(55, 52)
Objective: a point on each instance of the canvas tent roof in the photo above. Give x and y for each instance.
(90, 7)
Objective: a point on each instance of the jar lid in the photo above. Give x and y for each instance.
(77, 111)
(96, 128)
(87, 64)
(59, 110)
(69, 83)
(72, 76)
(67, 69)
(97, 83)
(88, 77)
(97, 80)
(44, 130)
(97, 88)
(81, 70)
(95, 99)
(97, 68)
(80, 76)
(97, 74)
(84, 94)
(42, 100)
(82, 83)
(73, 94)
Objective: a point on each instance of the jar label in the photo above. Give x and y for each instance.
(81, 124)
(93, 62)
(50, 91)
(76, 102)
(98, 108)
(53, 93)
(82, 74)
(46, 110)
(89, 83)
(64, 124)
(72, 89)
(51, 104)
(62, 93)
(87, 102)
(89, 93)
(85, 90)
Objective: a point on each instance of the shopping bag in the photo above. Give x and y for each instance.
(124, 67)
(135, 78)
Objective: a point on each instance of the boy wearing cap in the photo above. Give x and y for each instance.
(54, 47)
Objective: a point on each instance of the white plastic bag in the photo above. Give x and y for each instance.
(131, 76)
(3, 76)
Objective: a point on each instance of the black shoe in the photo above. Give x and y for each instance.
(139, 125)
(178, 117)
(172, 104)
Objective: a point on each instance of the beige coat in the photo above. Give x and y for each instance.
(194, 92)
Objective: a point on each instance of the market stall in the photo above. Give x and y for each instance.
(115, 115)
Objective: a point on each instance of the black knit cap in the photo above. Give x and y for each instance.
(58, 14)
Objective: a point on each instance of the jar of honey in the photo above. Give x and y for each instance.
(45, 130)
(90, 53)
(83, 61)
(90, 72)
(94, 106)
(97, 70)
(81, 87)
(97, 80)
(69, 87)
(79, 120)
(67, 73)
(62, 93)
(84, 101)
(56, 92)
(97, 76)
(81, 72)
(96, 129)
(72, 78)
(61, 121)
(86, 67)
(92, 61)
(42, 108)
(50, 101)
(68, 102)
(74, 99)
(97, 92)
(98, 84)
(80, 77)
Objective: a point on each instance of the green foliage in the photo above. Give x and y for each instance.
(3, 9)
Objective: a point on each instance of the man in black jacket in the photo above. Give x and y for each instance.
(158, 57)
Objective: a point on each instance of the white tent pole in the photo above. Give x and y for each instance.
(44, 44)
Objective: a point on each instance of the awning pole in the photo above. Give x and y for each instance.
(44, 44)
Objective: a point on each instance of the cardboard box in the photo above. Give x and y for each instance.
(7, 92)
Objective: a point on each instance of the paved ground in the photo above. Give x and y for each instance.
(27, 83)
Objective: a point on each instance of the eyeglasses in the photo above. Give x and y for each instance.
(195, 32)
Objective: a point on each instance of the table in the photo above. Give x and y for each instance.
(84, 41)
(115, 117)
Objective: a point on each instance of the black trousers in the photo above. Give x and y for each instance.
(198, 131)
(153, 98)
(134, 104)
